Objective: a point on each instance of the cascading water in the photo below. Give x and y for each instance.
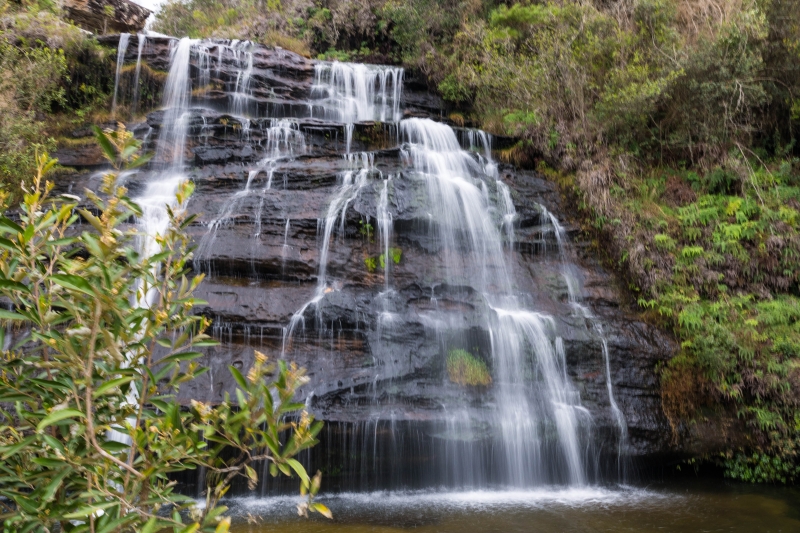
(123, 47)
(528, 427)
(349, 93)
(158, 196)
(521, 340)
(142, 42)
(574, 294)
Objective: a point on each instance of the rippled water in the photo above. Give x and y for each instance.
(693, 507)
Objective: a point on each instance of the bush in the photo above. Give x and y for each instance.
(90, 430)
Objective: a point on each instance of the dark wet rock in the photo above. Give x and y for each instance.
(101, 16)
(371, 354)
(85, 155)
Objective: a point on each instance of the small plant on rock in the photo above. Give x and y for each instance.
(465, 369)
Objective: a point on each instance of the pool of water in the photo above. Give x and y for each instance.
(664, 508)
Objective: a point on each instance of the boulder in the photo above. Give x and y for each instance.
(102, 16)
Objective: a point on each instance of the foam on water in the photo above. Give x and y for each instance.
(459, 501)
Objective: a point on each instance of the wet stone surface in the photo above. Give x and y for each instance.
(373, 352)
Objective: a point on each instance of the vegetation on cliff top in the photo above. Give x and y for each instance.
(53, 78)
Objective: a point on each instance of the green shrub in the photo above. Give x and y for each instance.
(465, 369)
(88, 360)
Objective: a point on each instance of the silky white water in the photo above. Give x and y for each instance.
(538, 429)
(521, 340)
(121, 49)
(574, 293)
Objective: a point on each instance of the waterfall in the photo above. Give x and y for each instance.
(177, 96)
(142, 42)
(284, 140)
(521, 340)
(507, 210)
(352, 92)
(444, 204)
(158, 196)
(384, 217)
(121, 49)
(352, 181)
(574, 291)
(243, 57)
(159, 193)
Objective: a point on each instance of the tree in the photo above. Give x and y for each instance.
(103, 337)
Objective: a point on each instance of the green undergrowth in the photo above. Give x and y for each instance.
(466, 369)
(54, 78)
(715, 256)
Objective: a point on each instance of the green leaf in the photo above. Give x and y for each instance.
(9, 285)
(58, 416)
(52, 487)
(75, 283)
(108, 148)
(108, 385)
(191, 528)
(8, 315)
(87, 510)
(183, 356)
(113, 446)
(238, 377)
(321, 509)
(116, 525)
(206, 342)
(11, 450)
(9, 226)
(299, 469)
(139, 161)
(7, 244)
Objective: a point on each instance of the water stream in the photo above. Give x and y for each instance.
(530, 429)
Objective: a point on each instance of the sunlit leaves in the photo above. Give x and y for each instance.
(89, 426)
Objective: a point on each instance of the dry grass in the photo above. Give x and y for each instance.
(457, 119)
(287, 43)
(705, 17)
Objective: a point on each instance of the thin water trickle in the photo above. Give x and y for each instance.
(142, 42)
(507, 210)
(352, 181)
(121, 49)
(284, 141)
(574, 294)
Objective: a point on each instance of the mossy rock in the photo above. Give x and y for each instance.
(465, 369)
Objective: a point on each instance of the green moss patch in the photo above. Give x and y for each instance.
(466, 369)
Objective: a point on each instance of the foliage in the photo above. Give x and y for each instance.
(394, 253)
(47, 66)
(715, 256)
(366, 229)
(101, 339)
(29, 83)
(466, 369)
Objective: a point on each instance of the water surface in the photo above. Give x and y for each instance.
(687, 507)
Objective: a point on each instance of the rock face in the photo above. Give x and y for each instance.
(375, 349)
(102, 16)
